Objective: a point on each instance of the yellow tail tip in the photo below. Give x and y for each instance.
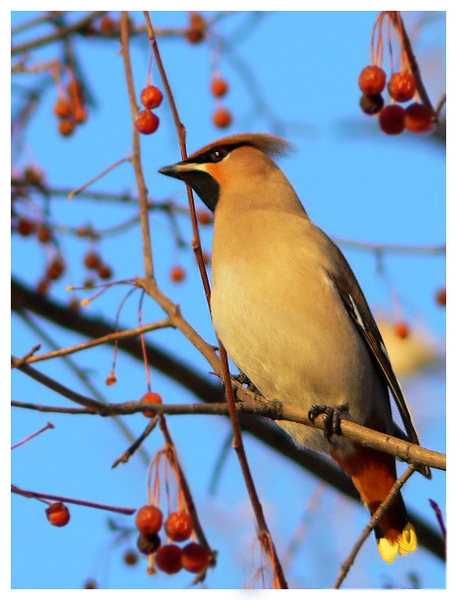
(404, 543)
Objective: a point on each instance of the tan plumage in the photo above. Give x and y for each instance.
(288, 309)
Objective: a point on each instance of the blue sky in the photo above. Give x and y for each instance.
(355, 182)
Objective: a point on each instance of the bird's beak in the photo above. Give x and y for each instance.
(178, 170)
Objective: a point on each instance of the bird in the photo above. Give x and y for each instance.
(291, 314)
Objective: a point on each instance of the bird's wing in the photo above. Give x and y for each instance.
(359, 311)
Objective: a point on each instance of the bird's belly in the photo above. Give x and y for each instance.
(292, 349)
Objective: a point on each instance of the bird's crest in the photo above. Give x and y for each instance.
(271, 145)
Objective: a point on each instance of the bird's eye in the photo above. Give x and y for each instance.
(218, 154)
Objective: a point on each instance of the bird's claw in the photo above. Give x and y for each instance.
(332, 418)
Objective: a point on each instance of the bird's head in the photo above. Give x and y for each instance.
(229, 164)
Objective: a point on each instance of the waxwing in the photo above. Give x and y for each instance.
(290, 313)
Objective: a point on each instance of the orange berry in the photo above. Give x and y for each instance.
(66, 127)
(178, 526)
(441, 297)
(401, 330)
(222, 118)
(371, 105)
(151, 97)
(111, 379)
(168, 559)
(62, 107)
(55, 269)
(105, 271)
(418, 118)
(372, 80)
(204, 217)
(402, 86)
(25, 227)
(195, 558)
(44, 233)
(197, 28)
(79, 114)
(75, 88)
(177, 274)
(151, 397)
(58, 514)
(149, 519)
(392, 119)
(130, 558)
(146, 122)
(92, 260)
(219, 87)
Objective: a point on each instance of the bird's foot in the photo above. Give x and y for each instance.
(332, 418)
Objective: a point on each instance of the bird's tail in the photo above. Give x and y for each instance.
(373, 474)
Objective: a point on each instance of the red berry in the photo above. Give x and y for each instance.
(149, 520)
(441, 297)
(371, 105)
(204, 217)
(43, 286)
(90, 584)
(44, 233)
(130, 558)
(105, 272)
(418, 118)
(25, 227)
(195, 558)
(222, 118)
(168, 559)
(152, 397)
(55, 269)
(148, 544)
(146, 122)
(66, 127)
(178, 526)
(107, 25)
(197, 28)
(177, 274)
(58, 514)
(372, 80)
(392, 119)
(74, 305)
(151, 97)
(219, 87)
(62, 107)
(401, 330)
(92, 260)
(402, 86)
(33, 176)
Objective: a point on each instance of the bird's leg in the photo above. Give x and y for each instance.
(243, 379)
(332, 417)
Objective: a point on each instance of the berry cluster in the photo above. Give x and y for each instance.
(170, 558)
(146, 121)
(70, 108)
(93, 262)
(393, 119)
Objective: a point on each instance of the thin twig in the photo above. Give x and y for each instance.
(136, 157)
(395, 489)
(99, 176)
(102, 340)
(137, 443)
(29, 494)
